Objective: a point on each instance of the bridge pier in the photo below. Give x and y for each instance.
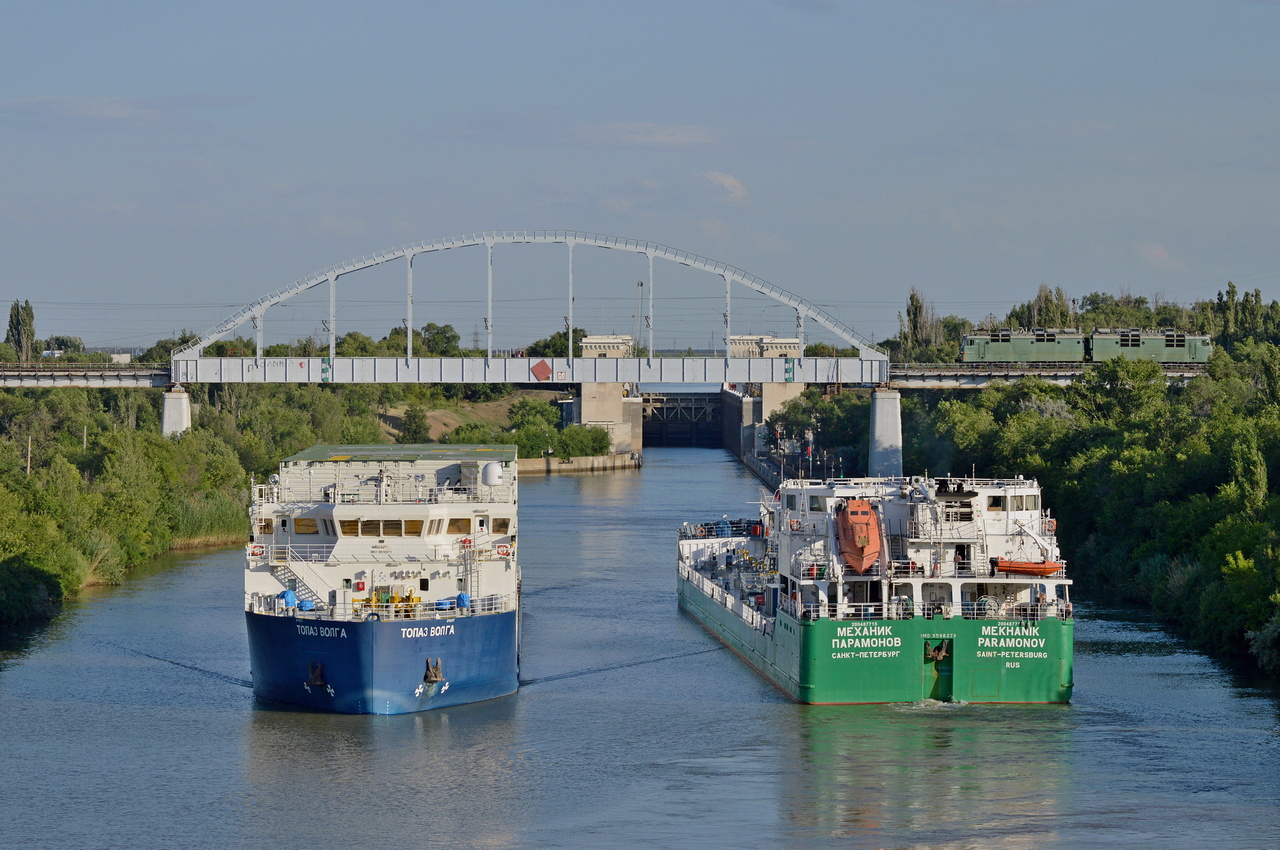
(885, 457)
(176, 414)
(773, 396)
(607, 406)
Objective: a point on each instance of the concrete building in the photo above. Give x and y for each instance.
(608, 345)
(751, 345)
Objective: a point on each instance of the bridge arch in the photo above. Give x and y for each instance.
(254, 312)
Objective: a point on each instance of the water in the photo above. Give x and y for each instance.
(128, 723)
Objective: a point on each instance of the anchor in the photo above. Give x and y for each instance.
(431, 677)
(433, 673)
(936, 653)
(316, 677)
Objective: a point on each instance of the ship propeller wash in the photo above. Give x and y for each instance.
(876, 590)
(383, 579)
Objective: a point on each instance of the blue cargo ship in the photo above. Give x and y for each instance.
(384, 579)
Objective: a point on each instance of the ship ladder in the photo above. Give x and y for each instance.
(300, 588)
(471, 572)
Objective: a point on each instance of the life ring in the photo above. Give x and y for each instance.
(257, 550)
(795, 525)
(372, 616)
(1050, 526)
(700, 532)
(503, 550)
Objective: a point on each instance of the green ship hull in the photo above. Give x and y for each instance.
(831, 661)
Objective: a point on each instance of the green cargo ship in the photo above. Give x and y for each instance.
(889, 590)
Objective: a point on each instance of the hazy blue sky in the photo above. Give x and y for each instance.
(165, 163)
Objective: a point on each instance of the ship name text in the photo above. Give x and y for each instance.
(427, 631)
(321, 631)
(865, 637)
(1011, 636)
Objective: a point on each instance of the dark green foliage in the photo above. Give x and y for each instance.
(533, 426)
(839, 426)
(1162, 492)
(22, 331)
(414, 427)
(923, 337)
(106, 491)
(557, 345)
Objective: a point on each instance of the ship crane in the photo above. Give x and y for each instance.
(1048, 550)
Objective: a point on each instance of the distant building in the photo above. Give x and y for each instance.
(608, 345)
(747, 345)
(121, 358)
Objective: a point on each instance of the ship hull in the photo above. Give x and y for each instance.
(826, 661)
(380, 667)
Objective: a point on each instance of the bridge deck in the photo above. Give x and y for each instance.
(665, 370)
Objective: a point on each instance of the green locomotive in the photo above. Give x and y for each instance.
(1050, 345)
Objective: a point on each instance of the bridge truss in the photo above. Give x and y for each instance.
(871, 364)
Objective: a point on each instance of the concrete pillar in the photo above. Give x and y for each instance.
(772, 397)
(176, 415)
(885, 457)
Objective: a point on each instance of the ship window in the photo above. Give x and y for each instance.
(424, 584)
(459, 525)
(1033, 503)
(350, 527)
(392, 528)
(1016, 503)
(266, 526)
(791, 501)
(306, 525)
(413, 527)
(370, 527)
(502, 525)
(995, 503)
(815, 503)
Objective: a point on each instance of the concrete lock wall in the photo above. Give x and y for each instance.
(606, 406)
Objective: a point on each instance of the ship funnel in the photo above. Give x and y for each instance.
(491, 474)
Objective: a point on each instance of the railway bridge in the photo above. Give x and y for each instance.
(607, 386)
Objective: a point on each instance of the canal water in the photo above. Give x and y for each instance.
(128, 722)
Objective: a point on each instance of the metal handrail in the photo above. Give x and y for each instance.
(355, 611)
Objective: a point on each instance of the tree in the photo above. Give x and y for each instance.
(22, 330)
(65, 344)
(557, 345)
(1049, 309)
(414, 427)
(441, 341)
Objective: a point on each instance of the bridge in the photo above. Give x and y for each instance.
(917, 376)
(603, 397)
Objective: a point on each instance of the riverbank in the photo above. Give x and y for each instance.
(551, 465)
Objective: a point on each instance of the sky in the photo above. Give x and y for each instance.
(166, 163)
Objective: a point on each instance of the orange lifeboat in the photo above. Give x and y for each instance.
(1028, 568)
(858, 533)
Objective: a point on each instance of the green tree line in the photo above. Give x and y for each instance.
(1167, 494)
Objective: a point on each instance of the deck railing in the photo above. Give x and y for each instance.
(372, 491)
(437, 609)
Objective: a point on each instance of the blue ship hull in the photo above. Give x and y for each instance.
(380, 667)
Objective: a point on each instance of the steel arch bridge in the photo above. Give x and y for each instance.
(189, 364)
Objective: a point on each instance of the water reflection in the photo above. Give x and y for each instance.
(945, 775)
(364, 779)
